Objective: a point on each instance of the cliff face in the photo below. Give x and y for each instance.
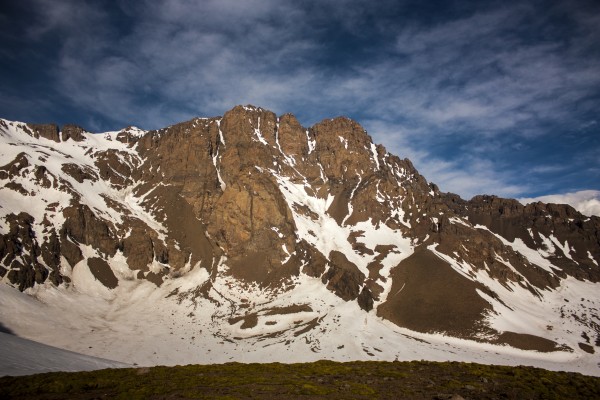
(258, 202)
(570, 238)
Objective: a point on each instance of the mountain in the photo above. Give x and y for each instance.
(249, 237)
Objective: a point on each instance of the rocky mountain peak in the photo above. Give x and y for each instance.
(248, 210)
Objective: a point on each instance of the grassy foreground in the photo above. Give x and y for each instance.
(354, 380)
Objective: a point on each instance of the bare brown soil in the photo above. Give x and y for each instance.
(427, 295)
(528, 342)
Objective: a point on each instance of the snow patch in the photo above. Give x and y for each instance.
(259, 135)
(374, 153)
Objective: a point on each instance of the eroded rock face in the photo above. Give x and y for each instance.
(14, 167)
(20, 253)
(48, 131)
(72, 132)
(343, 148)
(343, 277)
(540, 226)
(83, 226)
(138, 247)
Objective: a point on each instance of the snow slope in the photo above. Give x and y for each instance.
(25, 357)
(145, 326)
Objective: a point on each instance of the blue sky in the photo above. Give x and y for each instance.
(484, 97)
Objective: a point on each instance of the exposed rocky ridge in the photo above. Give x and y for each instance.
(258, 200)
(533, 223)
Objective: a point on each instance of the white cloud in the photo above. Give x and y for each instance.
(472, 76)
(548, 169)
(586, 202)
(482, 73)
(65, 16)
(464, 174)
(464, 74)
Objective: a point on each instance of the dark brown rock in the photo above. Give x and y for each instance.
(116, 167)
(73, 132)
(83, 226)
(15, 167)
(50, 250)
(343, 277)
(528, 342)
(138, 247)
(315, 262)
(365, 299)
(512, 220)
(102, 272)
(128, 136)
(79, 173)
(69, 249)
(48, 131)
(19, 252)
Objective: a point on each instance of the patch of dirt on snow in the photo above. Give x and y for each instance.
(529, 342)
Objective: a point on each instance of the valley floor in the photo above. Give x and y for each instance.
(355, 380)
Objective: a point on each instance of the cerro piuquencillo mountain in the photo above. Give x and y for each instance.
(254, 206)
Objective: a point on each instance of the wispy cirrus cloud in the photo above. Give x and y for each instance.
(483, 97)
(466, 173)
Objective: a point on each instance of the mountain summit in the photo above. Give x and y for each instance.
(249, 237)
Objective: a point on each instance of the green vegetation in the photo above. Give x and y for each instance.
(354, 380)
